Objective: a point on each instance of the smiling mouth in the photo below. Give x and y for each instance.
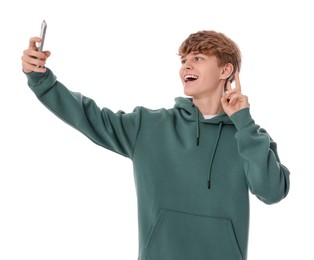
(190, 77)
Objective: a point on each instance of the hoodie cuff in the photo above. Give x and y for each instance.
(36, 79)
(242, 118)
(39, 83)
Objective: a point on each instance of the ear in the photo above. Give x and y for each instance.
(226, 71)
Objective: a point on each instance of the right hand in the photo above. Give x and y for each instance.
(32, 59)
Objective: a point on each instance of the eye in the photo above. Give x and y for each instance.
(198, 58)
(183, 61)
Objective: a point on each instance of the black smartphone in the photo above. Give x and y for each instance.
(42, 35)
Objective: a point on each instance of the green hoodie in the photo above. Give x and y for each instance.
(192, 175)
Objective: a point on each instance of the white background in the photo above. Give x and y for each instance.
(63, 197)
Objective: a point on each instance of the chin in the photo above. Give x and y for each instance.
(188, 93)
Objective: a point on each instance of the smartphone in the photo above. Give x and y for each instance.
(42, 35)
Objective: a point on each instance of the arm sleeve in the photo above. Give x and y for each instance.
(114, 131)
(267, 178)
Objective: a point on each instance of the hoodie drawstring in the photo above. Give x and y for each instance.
(197, 121)
(213, 154)
(197, 128)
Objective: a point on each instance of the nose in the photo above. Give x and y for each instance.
(187, 65)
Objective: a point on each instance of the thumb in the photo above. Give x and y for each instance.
(47, 53)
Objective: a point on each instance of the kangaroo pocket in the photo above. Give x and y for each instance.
(182, 236)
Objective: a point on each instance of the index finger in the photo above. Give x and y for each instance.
(237, 81)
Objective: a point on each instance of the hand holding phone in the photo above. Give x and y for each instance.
(42, 35)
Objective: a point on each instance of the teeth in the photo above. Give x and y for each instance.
(190, 76)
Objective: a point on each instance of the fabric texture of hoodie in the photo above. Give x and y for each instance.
(192, 175)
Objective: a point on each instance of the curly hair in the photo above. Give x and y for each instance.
(213, 43)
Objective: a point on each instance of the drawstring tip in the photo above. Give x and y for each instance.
(208, 184)
(197, 141)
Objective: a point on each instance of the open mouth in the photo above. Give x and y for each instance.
(190, 77)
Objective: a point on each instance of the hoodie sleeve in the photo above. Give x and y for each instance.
(267, 178)
(114, 131)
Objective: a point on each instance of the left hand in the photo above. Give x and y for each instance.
(233, 100)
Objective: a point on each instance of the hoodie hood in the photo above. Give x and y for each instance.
(191, 113)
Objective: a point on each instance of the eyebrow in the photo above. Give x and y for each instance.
(193, 54)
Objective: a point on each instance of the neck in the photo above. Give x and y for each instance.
(208, 106)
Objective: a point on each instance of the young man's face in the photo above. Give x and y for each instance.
(200, 75)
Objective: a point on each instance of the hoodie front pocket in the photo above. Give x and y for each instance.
(182, 236)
